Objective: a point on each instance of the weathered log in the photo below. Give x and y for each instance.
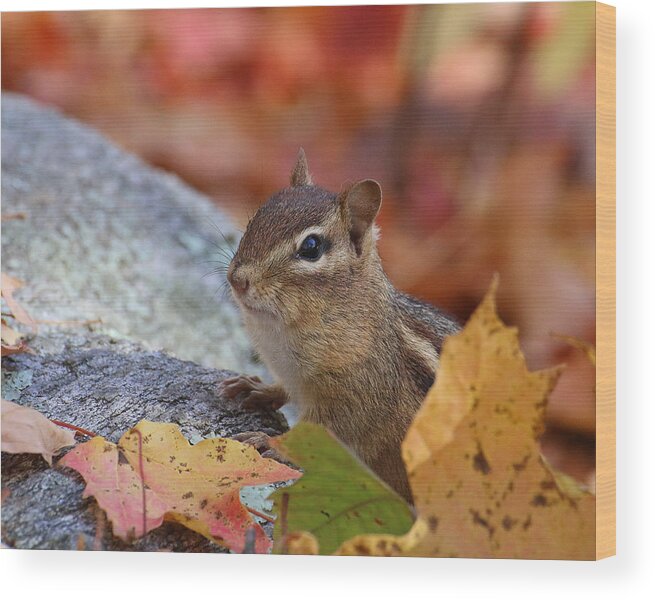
(107, 386)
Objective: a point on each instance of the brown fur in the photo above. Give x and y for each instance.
(352, 353)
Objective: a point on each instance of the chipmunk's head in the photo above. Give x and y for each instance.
(304, 247)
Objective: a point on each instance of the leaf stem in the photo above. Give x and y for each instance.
(143, 479)
(261, 515)
(283, 522)
(74, 428)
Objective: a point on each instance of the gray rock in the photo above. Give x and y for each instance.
(108, 237)
(107, 387)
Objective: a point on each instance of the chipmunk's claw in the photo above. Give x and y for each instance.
(258, 439)
(262, 443)
(253, 393)
(234, 386)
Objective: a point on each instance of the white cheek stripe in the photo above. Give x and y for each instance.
(311, 265)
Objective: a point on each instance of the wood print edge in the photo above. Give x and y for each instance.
(605, 280)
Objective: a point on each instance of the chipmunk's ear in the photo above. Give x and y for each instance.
(360, 205)
(300, 174)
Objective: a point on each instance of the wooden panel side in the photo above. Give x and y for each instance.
(605, 280)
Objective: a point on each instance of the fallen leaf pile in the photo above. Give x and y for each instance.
(480, 485)
(336, 498)
(197, 486)
(27, 430)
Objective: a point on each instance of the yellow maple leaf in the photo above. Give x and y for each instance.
(166, 478)
(588, 349)
(301, 542)
(480, 485)
(385, 544)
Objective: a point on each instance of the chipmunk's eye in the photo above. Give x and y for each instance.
(312, 248)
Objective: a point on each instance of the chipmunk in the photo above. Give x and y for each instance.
(350, 351)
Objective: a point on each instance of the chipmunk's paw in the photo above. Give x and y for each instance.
(253, 393)
(258, 439)
(262, 443)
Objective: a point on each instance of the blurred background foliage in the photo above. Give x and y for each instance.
(478, 120)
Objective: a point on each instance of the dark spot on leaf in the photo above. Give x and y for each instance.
(187, 495)
(433, 523)
(508, 522)
(539, 500)
(204, 503)
(478, 520)
(521, 465)
(480, 462)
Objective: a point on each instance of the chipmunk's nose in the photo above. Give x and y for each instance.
(238, 280)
